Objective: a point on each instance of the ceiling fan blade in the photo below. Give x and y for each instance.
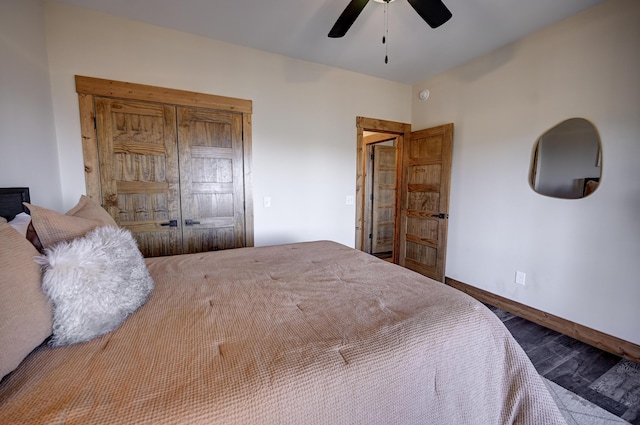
(347, 18)
(434, 12)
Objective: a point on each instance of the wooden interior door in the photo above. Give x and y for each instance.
(384, 199)
(139, 171)
(426, 174)
(211, 179)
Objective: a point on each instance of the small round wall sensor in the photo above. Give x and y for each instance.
(424, 95)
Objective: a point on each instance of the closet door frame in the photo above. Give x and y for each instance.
(88, 88)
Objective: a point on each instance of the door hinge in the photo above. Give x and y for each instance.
(372, 157)
(441, 215)
(95, 123)
(371, 197)
(370, 235)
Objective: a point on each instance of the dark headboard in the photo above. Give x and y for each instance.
(11, 199)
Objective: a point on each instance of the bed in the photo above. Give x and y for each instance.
(303, 333)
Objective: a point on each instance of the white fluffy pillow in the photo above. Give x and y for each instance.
(94, 283)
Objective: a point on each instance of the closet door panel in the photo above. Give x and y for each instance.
(211, 179)
(139, 171)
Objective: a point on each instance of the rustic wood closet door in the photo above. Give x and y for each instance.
(211, 179)
(172, 166)
(139, 171)
(426, 170)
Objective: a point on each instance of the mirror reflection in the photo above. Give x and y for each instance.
(567, 160)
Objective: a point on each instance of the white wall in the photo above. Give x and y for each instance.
(28, 151)
(580, 256)
(304, 116)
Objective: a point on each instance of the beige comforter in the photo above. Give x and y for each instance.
(311, 333)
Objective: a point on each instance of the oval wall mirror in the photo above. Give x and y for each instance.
(567, 160)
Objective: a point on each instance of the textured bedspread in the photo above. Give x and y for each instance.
(312, 333)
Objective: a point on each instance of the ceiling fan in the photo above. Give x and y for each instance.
(434, 12)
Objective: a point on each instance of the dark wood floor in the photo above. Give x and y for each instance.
(602, 378)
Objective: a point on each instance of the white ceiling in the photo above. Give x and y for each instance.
(299, 28)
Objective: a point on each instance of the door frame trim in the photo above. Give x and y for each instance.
(403, 131)
(135, 91)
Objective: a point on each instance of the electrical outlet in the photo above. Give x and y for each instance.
(267, 201)
(520, 278)
(349, 200)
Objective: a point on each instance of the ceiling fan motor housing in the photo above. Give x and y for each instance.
(434, 13)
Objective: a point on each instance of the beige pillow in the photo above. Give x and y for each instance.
(53, 227)
(25, 312)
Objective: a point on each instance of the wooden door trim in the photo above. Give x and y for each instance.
(403, 131)
(134, 91)
(248, 179)
(90, 147)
